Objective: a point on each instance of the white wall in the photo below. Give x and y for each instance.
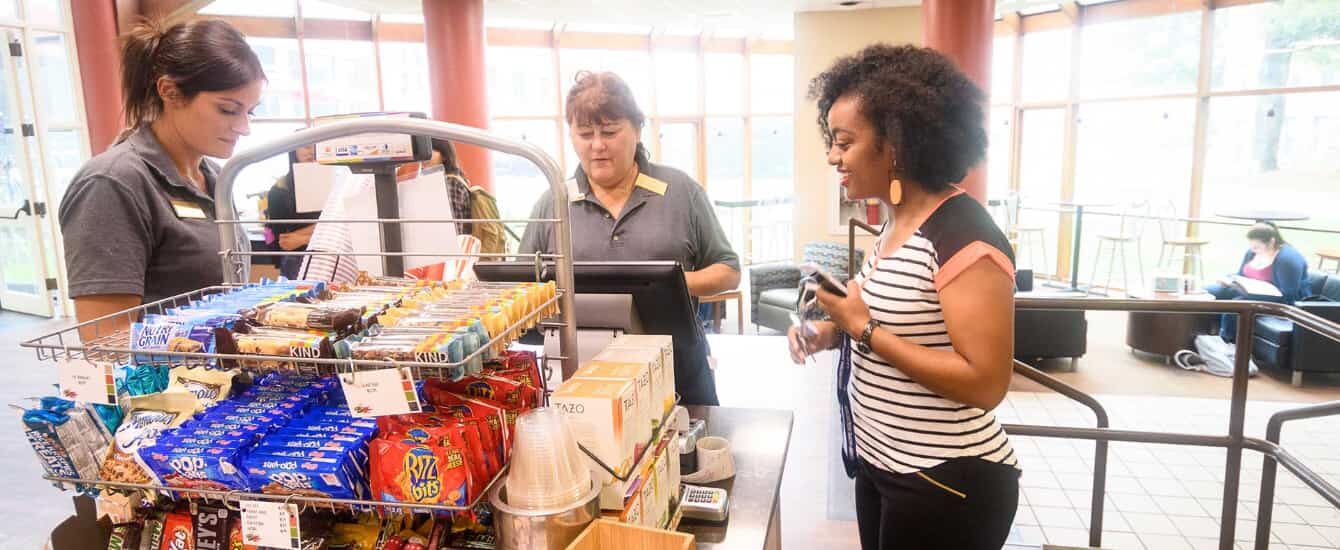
(821, 37)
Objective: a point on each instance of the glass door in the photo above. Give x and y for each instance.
(23, 261)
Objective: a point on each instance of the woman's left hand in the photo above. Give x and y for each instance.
(850, 313)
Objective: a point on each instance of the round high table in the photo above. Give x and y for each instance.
(1263, 214)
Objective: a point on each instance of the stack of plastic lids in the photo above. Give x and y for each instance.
(547, 470)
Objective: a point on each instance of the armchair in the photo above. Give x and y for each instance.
(1277, 343)
(774, 288)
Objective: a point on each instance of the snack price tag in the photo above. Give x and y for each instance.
(380, 392)
(85, 381)
(270, 524)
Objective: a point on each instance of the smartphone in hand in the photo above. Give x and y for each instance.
(824, 279)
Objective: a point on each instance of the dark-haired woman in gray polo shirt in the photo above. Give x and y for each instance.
(623, 207)
(137, 220)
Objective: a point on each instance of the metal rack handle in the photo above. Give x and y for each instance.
(235, 266)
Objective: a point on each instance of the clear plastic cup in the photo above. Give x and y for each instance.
(547, 469)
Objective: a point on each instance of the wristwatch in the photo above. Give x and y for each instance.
(863, 344)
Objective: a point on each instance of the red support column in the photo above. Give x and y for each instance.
(99, 66)
(454, 33)
(963, 30)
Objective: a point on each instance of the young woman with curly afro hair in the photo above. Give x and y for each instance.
(926, 329)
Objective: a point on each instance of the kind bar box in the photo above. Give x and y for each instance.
(640, 375)
(662, 372)
(601, 415)
(662, 390)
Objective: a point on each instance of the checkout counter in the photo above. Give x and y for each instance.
(759, 441)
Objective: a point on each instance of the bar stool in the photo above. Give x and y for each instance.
(1173, 235)
(1030, 239)
(1328, 254)
(1128, 232)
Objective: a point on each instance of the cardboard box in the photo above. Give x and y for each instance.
(665, 379)
(652, 507)
(662, 389)
(632, 510)
(601, 414)
(672, 469)
(663, 491)
(640, 375)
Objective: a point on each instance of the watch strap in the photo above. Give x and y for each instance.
(863, 343)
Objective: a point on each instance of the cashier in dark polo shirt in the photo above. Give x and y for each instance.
(625, 208)
(138, 219)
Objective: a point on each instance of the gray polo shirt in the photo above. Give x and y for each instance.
(667, 217)
(133, 225)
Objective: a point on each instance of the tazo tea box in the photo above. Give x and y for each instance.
(652, 507)
(662, 371)
(640, 375)
(662, 391)
(632, 510)
(602, 416)
(662, 477)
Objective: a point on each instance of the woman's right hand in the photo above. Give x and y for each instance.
(824, 337)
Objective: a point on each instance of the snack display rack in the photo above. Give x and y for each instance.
(101, 343)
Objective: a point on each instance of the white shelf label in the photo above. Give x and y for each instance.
(85, 381)
(270, 524)
(380, 392)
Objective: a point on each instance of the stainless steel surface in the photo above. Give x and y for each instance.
(759, 442)
(552, 529)
(227, 498)
(66, 343)
(235, 265)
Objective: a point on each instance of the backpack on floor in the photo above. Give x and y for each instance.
(1217, 356)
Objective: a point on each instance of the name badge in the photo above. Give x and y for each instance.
(188, 211)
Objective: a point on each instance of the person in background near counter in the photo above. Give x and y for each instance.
(1268, 259)
(926, 329)
(282, 204)
(458, 186)
(625, 208)
(138, 219)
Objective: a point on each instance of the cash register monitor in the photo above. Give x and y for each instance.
(660, 300)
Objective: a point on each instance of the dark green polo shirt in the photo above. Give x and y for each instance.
(667, 217)
(132, 225)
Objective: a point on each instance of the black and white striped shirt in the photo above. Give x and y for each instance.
(900, 425)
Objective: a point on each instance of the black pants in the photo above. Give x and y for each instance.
(963, 504)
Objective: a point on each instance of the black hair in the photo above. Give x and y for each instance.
(207, 55)
(928, 110)
(450, 164)
(1266, 232)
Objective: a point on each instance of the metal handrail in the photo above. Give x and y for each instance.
(1269, 466)
(1099, 449)
(1234, 442)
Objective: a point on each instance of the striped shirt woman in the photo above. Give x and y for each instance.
(926, 329)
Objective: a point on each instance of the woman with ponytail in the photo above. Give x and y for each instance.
(138, 219)
(1268, 259)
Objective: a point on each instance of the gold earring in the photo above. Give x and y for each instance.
(895, 191)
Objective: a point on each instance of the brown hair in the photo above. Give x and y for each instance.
(207, 55)
(602, 97)
(1266, 232)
